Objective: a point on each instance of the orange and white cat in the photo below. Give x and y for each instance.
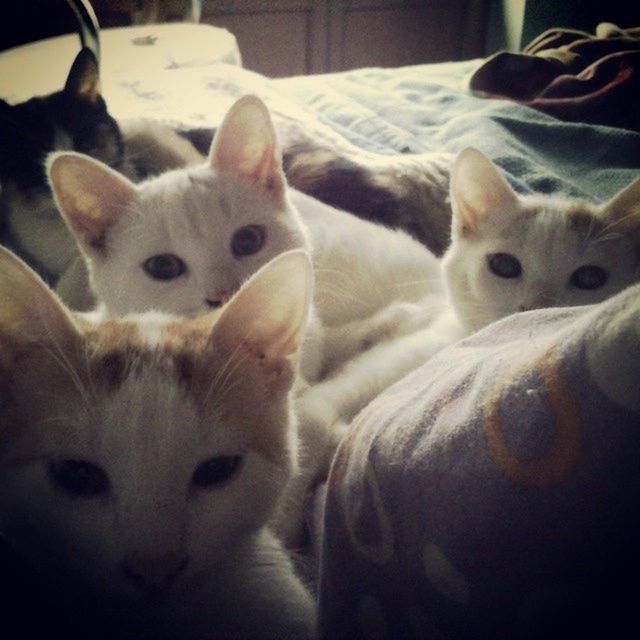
(142, 458)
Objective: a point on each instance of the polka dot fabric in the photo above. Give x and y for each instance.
(495, 491)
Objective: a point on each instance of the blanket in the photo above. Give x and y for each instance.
(494, 492)
(409, 110)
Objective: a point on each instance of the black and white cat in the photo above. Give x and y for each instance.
(74, 118)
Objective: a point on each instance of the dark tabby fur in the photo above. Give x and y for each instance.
(407, 191)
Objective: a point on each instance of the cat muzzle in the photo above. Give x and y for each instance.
(218, 301)
(153, 574)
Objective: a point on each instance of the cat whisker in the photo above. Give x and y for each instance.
(58, 419)
(89, 374)
(60, 357)
(425, 281)
(221, 380)
(619, 223)
(590, 231)
(602, 238)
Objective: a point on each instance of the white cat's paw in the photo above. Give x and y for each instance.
(396, 319)
(319, 432)
(316, 414)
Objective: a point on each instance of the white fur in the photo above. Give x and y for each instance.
(360, 266)
(151, 513)
(489, 217)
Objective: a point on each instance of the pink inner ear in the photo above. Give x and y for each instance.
(268, 171)
(90, 87)
(624, 206)
(478, 190)
(245, 145)
(472, 201)
(91, 196)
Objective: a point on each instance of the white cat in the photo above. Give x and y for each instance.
(141, 458)
(512, 252)
(184, 241)
(509, 253)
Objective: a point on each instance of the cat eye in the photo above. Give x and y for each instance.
(78, 477)
(504, 265)
(248, 240)
(589, 276)
(215, 471)
(164, 266)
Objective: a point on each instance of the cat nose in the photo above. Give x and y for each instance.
(153, 573)
(539, 303)
(218, 300)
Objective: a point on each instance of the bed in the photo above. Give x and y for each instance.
(495, 491)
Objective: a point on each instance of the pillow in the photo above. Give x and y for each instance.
(494, 492)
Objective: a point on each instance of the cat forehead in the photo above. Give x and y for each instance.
(187, 188)
(204, 193)
(117, 349)
(546, 216)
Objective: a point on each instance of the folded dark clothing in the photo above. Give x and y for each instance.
(571, 75)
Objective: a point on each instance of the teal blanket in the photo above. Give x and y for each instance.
(428, 108)
(405, 110)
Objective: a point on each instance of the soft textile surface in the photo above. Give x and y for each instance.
(127, 53)
(495, 491)
(410, 109)
(573, 75)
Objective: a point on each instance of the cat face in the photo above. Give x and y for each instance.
(184, 241)
(513, 253)
(74, 118)
(137, 456)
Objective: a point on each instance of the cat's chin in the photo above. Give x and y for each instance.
(129, 614)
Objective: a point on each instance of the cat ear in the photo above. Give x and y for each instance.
(246, 145)
(30, 312)
(269, 313)
(90, 195)
(624, 207)
(83, 80)
(478, 190)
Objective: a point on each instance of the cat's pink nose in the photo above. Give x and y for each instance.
(153, 573)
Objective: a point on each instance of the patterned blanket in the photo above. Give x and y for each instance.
(405, 110)
(495, 492)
